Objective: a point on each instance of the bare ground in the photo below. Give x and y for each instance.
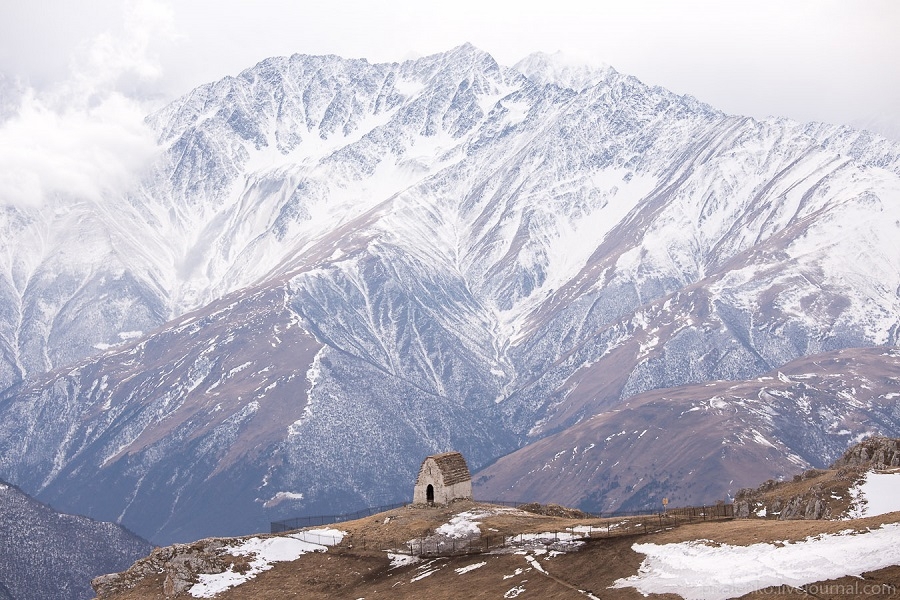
(359, 569)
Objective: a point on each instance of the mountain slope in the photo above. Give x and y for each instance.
(47, 554)
(696, 444)
(337, 268)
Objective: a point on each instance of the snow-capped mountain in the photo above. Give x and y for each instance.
(337, 267)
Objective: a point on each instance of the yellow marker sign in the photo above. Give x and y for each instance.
(665, 501)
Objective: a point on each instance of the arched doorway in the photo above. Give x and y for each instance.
(429, 494)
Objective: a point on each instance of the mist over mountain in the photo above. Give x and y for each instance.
(336, 268)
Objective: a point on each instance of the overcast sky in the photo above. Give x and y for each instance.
(837, 61)
(82, 69)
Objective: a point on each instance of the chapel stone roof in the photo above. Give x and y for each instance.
(453, 467)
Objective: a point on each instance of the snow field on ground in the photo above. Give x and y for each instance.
(698, 570)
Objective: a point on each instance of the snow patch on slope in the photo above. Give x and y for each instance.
(697, 570)
(264, 553)
(877, 494)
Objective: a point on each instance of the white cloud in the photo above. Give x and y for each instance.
(84, 151)
(85, 136)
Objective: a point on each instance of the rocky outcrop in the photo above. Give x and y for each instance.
(876, 452)
(818, 494)
(178, 566)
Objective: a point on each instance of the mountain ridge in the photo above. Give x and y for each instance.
(413, 257)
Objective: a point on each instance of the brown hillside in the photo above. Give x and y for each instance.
(358, 569)
(701, 442)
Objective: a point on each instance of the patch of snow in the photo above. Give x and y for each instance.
(313, 376)
(471, 567)
(402, 560)
(534, 563)
(462, 525)
(877, 494)
(762, 512)
(282, 496)
(760, 439)
(514, 592)
(614, 435)
(426, 570)
(325, 537)
(696, 570)
(546, 537)
(560, 540)
(718, 403)
(264, 553)
(239, 368)
(465, 524)
(583, 529)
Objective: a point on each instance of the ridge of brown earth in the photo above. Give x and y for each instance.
(361, 568)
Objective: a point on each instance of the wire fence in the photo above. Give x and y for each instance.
(301, 522)
(432, 544)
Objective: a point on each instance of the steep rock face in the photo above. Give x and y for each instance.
(336, 268)
(47, 554)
